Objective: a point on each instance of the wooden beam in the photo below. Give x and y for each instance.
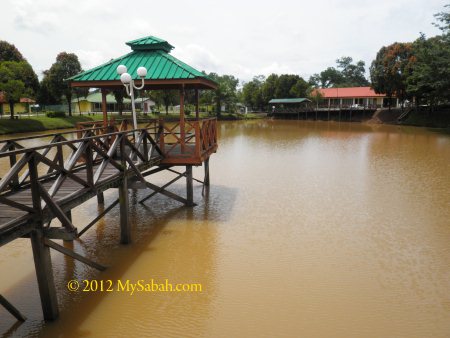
(196, 104)
(182, 122)
(189, 186)
(206, 180)
(180, 175)
(74, 255)
(96, 219)
(150, 84)
(12, 309)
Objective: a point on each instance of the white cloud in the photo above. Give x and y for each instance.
(243, 38)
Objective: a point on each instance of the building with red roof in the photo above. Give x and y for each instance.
(19, 107)
(353, 97)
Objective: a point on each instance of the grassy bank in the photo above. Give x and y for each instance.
(42, 123)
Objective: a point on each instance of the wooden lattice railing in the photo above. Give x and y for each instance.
(37, 181)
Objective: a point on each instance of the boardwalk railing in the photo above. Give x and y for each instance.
(182, 142)
(44, 182)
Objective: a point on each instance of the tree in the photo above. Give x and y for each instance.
(443, 19)
(66, 65)
(330, 77)
(430, 79)
(315, 96)
(225, 92)
(166, 98)
(352, 74)
(252, 92)
(269, 88)
(299, 89)
(12, 82)
(45, 95)
(119, 95)
(9, 52)
(391, 68)
(346, 74)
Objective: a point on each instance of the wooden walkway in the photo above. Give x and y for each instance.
(42, 183)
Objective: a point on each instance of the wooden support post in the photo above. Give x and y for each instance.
(44, 274)
(189, 187)
(100, 198)
(41, 253)
(196, 104)
(125, 229)
(206, 179)
(182, 122)
(125, 226)
(104, 108)
(12, 161)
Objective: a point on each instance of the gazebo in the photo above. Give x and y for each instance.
(164, 72)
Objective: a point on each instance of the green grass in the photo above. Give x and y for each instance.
(41, 123)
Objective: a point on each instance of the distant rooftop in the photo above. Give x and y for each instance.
(348, 92)
(294, 100)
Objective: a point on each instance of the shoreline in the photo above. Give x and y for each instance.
(439, 120)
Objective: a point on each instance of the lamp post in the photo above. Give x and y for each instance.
(128, 82)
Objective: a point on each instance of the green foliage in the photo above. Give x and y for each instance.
(430, 79)
(53, 114)
(45, 95)
(252, 92)
(258, 92)
(13, 79)
(9, 52)
(391, 69)
(165, 98)
(119, 95)
(347, 74)
(226, 92)
(66, 65)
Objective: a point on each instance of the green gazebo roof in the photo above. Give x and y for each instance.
(294, 100)
(163, 69)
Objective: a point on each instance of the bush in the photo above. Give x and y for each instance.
(53, 114)
(187, 112)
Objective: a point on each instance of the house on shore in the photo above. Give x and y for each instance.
(92, 103)
(23, 106)
(353, 97)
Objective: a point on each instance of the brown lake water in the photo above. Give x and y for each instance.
(309, 229)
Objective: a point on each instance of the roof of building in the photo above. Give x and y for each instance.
(348, 92)
(163, 69)
(22, 99)
(294, 100)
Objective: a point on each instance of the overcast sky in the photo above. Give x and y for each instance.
(243, 38)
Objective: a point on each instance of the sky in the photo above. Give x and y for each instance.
(242, 38)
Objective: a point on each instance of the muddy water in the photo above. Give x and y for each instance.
(309, 230)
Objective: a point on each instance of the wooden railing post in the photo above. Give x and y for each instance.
(197, 130)
(145, 144)
(161, 136)
(12, 161)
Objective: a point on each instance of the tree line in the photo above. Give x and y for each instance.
(418, 70)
